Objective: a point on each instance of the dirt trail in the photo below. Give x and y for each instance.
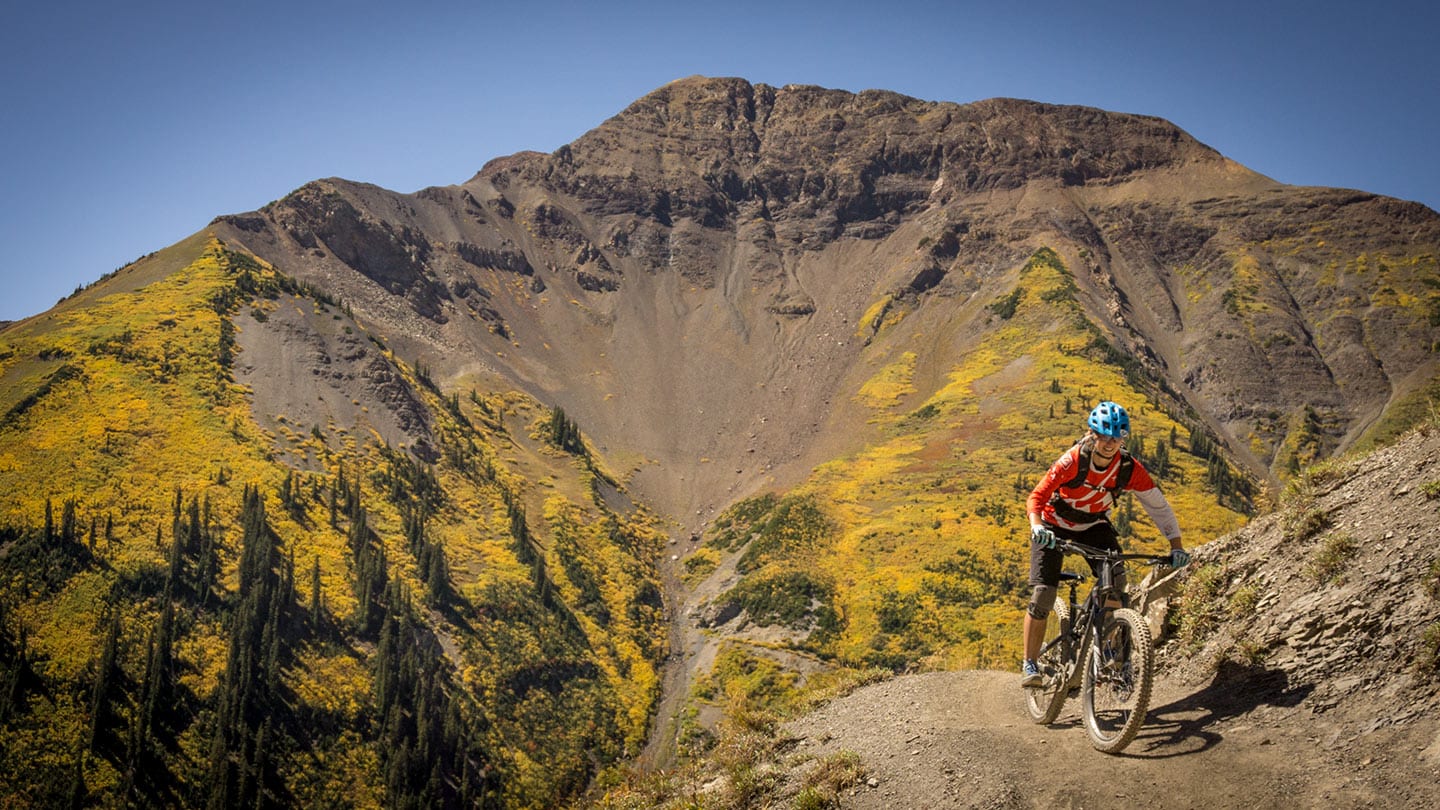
(963, 739)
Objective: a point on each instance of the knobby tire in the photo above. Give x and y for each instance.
(1115, 692)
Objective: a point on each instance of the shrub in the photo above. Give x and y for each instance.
(821, 786)
(1329, 561)
(1005, 305)
(896, 611)
(794, 523)
(1242, 602)
(926, 411)
(790, 598)
(734, 527)
(1330, 471)
(1198, 611)
(701, 564)
(1427, 658)
(1304, 525)
(1247, 653)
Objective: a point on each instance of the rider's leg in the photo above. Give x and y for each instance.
(1045, 566)
(1042, 601)
(1034, 636)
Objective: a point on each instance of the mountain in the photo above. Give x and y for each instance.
(788, 358)
(717, 236)
(1301, 666)
(203, 604)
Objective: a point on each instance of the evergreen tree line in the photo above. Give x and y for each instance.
(253, 281)
(428, 738)
(194, 563)
(135, 724)
(406, 481)
(242, 767)
(415, 490)
(433, 566)
(431, 741)
(564, 433)
(372, 573)
(461, 450)
(529, 552)
(38, 561)
(572, 560)
(1233, 489)
(430, 746)
(14, 666)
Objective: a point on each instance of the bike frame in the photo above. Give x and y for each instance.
(1087, 624)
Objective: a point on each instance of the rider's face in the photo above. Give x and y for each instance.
(1106, 447)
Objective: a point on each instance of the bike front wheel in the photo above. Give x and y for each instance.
(1119, 672)
(1044, 701)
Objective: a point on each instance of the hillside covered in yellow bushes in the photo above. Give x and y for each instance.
(913, 552)
(186, 618)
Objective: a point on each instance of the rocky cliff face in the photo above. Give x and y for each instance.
(692, 279)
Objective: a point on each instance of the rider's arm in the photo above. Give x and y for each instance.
(1156, 505)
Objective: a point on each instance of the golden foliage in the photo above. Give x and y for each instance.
(123, 403)
(929, 543)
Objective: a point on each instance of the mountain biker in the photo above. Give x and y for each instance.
(1072, 502)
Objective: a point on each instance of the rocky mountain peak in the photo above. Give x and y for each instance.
(724, 148)
(796, 210)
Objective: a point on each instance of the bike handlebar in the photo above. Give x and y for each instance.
(1090, 552)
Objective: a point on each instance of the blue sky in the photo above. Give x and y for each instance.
(125, 127)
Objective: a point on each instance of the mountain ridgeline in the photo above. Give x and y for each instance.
(372, 497)
(716, 237)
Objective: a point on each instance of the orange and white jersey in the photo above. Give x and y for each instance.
(1086, 504)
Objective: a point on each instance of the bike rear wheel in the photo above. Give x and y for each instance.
(1044, 701)
(1119, 672)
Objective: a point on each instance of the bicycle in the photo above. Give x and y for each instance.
(1114, 645)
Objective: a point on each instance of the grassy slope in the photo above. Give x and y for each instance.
(926, 543)
(118, 401)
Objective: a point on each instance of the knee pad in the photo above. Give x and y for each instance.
(1042, 599)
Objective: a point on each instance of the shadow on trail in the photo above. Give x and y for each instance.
(1188, 725)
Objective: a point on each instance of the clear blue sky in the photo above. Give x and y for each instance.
(125, 127)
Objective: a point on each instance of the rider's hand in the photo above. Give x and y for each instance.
(1179, 558)
(1043, 537)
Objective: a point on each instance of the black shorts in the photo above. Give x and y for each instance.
(1045, 563)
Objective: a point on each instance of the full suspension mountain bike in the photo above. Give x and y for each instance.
(1102, 650)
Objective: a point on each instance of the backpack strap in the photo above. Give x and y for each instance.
(1082, 470)
(1122, 476)
(1122, 479)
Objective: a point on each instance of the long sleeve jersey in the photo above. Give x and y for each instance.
(1093, 496)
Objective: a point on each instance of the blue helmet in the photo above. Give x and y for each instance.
(1109, 419)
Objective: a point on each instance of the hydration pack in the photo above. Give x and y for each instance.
(1082, 471)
